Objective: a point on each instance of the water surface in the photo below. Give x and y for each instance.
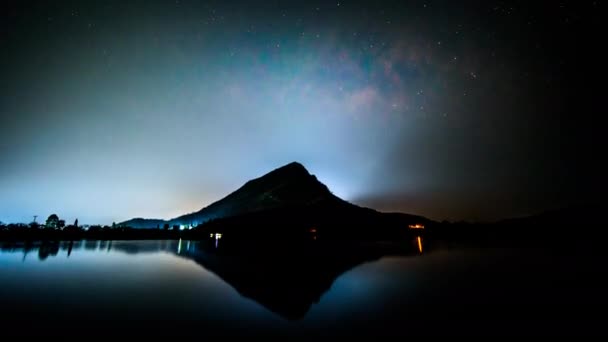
(185, 287)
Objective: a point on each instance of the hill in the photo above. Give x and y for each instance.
(288, 195)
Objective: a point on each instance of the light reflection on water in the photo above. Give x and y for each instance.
(185, 280)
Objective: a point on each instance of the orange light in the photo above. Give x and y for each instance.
(416, 226)
(313, 230)
(420, 244)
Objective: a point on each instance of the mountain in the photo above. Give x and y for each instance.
(289, 185)
(144, 223)
(286, 195)
(580, 224)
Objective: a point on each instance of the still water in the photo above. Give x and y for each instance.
(185, 287)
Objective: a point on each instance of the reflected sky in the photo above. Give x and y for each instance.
(138, 282)
(157, 278)
(152, 282)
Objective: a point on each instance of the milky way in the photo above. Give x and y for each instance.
(154, 109)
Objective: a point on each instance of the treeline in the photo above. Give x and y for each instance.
(29, 232)
(55, 228)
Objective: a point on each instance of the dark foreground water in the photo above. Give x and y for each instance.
(114, 288)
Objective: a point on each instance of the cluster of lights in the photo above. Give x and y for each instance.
(416, 226)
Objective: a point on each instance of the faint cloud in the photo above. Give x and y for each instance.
(363, 99)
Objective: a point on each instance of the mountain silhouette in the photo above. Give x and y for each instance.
(288, 195)
(287, 186)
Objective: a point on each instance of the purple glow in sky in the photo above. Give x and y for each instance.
(454, 111)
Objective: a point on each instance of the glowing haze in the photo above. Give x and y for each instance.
(154, 109)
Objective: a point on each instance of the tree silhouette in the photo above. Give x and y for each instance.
(52, 222)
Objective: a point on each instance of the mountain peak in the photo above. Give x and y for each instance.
(287, 186)
(290, 179)
(293, 168)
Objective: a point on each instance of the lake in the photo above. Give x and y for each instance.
(190, 288)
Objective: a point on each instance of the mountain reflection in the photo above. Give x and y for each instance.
(287, 280)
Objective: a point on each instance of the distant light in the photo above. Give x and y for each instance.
(211, 235)
(182, 227)
(218, 236)
(416, 226)
(313, 230)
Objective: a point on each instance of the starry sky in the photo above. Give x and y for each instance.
(453, 110)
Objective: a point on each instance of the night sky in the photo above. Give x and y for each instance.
(452, 110)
